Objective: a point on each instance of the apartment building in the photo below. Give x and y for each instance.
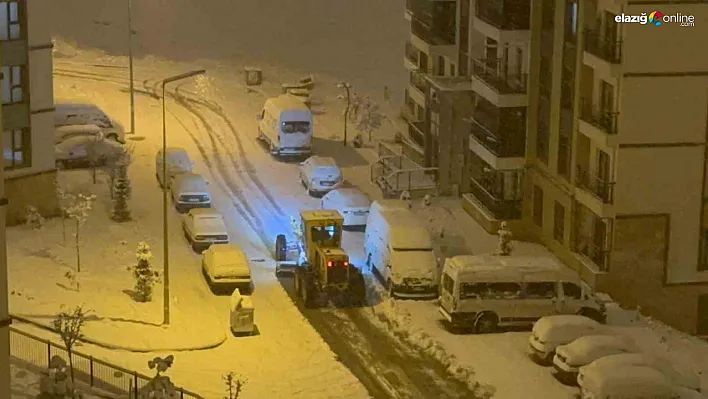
(27, 108)
(587, 133)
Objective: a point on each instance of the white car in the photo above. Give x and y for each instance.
(609, 364)
(81, 151)
(190, 190)
(634, 382)
(571, 357)
(203, 227)
(552, 331)
(352, 204)
(320, 175)
(226, 267)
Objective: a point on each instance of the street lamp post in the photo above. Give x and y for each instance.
(165, 242)
(346, 86)
(130, 66)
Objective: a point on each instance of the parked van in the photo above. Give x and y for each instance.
(177, 162)
(71, 113)
(189, 191)
(486, 291)
(285, 124)
(399, 250)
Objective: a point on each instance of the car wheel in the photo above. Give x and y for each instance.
(112, 137)
(390, 288)
(486, 323)
(280, 248)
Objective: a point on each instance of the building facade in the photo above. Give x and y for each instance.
(588, 133)
(5, 320)
(27, 108)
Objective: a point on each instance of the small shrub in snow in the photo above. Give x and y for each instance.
(358, 141)
(369, 117)
(33, 218)
(234, 385)
(79, 211)
(160, 386)
(145, 276)
(121, 194)
(66, 200)
(68, 325)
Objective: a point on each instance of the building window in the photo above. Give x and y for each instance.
(12, 79)
(538, 206)
(16, 148)
(10, 28)
(559, 222)
(703, 252)
(702, 319)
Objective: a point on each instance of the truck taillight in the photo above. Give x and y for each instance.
(346, 263)
(329, 263)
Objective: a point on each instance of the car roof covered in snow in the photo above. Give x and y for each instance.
(490, 266)
(317, 161)
(205, 213)
(173, 150)
(191, 182)
(226, 254)
(388, 204)
(683, 377)
(632, 382)
(285, 102)
(74, 105)
(590, 345)
(562, 320)
(406, 230)
(321, 214)
(347, 197)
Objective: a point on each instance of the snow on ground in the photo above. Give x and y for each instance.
(285, 344)
(24, 383)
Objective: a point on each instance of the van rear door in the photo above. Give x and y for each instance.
(448, 297)
(295, 131)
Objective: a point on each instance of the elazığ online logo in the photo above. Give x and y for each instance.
(657, 18)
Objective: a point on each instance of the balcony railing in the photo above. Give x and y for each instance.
(415, 133)
(602, 47)
(419, 82)
(501, 209)
(601, 118)
(436, 35)
(500, 81)
(496, 143)
(599, 256)
(505, 14)
(412, 54)
(597, 186)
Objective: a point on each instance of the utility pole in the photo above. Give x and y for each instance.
(5, 319)
(130, 66)
(346, 86)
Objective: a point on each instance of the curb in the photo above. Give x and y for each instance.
(123, 347)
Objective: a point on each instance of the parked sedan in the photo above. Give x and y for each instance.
(203, 227)
(320, 175)
(81, 151)
(630, 382)
(585, 350)
(226, 267)
(352, 204)
(552, 331)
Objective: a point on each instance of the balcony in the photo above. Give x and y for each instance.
(600, 257)
(433, 36)
(600, 188)
(602, 47)
(600, 118)
(499, 87)
(496, 141)
(500, 209)
(505, 14)
(412, 56)
(418, 88)
(416, 133)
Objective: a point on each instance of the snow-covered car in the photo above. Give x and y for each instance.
(633, 382)
(241, 314)
(62, 133)
(225, 268)
(190, 190)
(552, 331)
(609, 364)
(571, 357)
(203, 227)
(320, 175)
(353, 204)
(72, 113)
(82, 151)
(177, 160)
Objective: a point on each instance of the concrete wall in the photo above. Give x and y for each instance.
(666, 180)
(639, 250)
(36, 190)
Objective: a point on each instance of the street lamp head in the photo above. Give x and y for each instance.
(343, 85)
(184, 76)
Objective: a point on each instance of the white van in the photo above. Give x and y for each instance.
(285, 124)
(189, 191)
(486, 291)
(177, 162)
(399, 251)
(70, 113)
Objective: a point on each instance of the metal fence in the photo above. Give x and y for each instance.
(394, 172)
(96, 373)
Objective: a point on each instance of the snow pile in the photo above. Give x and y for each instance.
(398, 322)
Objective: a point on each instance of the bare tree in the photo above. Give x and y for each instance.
(66, 200)
(79, 211)
(68, 325)
(160, 386)
(234, 384)
(370, 118)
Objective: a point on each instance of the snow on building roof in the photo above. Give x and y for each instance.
(286, 102)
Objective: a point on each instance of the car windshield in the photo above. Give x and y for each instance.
(296, 127)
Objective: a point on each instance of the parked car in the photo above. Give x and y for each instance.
(320, 175)
(608, 364)
(353, 204)
(84, 151)
(72, 113)
(633, 382)
(62, 133)
(549, 332)
(226, 267)
(203, 227)
(585, 350)
(190, 190)
(178, 162)
(241, 314)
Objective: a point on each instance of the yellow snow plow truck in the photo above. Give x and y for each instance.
(320, 266)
